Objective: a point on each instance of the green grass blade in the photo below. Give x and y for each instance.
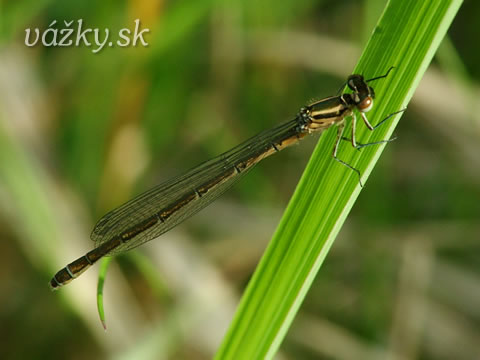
(102, 274)
(406, 36)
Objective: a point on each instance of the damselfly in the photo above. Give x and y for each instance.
(160, 209)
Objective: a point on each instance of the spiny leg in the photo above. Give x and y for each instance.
(340, 129)
(370, 127)
(365, 120)
(358, 146)
(354, 130)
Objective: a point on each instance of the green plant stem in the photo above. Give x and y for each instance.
(406, 36)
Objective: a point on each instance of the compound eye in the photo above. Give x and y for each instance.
(366, 104)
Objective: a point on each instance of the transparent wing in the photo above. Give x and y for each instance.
(147, 205)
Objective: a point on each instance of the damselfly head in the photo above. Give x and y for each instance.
(363, 94)
(359, 86)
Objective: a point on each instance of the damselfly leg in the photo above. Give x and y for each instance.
(354, 142)
(358, 145)
(340, 128)
(388, 117)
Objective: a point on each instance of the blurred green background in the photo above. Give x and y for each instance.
(82, 132)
